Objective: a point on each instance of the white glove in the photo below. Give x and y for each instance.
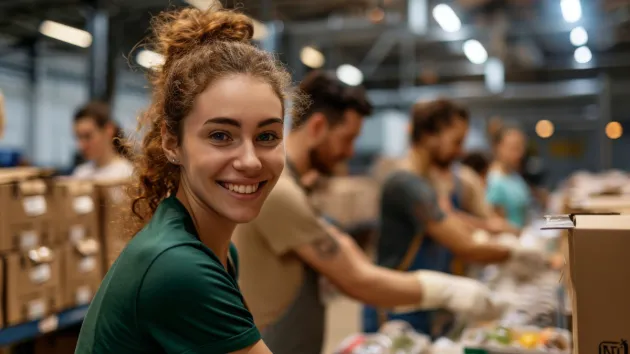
(463, 296)
(526, 262)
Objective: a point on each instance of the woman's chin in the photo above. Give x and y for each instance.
(243, 216)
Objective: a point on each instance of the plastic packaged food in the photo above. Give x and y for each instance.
(523, 339)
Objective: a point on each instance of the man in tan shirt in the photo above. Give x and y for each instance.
(285, 250)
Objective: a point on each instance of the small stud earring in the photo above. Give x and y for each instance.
(174, 161)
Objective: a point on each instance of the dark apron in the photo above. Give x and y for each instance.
(301, 328)
(427, 255)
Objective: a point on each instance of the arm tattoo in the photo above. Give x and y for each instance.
(326, 247)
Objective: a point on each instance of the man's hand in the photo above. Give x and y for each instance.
(461, 295)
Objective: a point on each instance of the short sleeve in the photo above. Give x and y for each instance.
(189, 304)
(287, 220)
(419, 196)
(495, 195)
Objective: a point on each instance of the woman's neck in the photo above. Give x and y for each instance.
(213, 230)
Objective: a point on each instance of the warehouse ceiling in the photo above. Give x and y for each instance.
(529, 36)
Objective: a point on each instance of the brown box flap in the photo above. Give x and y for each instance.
(568, 221)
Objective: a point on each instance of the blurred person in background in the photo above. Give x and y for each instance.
(211, 154)
(416, 234)
(479, 162)
(460, 189)
(286, 249)
(101, 143)
(507, 191)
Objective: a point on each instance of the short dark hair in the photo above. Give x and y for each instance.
(100, 113)
(430, 117)
(478, 161)
(356, 99)
(330, 97)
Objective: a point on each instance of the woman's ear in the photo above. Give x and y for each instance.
(170, 145)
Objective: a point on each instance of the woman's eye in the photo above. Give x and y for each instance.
(267, 137)
(219, 136)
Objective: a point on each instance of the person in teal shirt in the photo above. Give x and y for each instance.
(211, 155)
(507, 191)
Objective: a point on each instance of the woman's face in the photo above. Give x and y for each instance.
(92, 140)
(231, 154)
(511, 149)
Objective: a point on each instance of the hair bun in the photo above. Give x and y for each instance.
(178, 32)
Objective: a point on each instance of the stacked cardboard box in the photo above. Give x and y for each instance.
(348, 200)
(28, 245)
(79, 240)
(113, 218)
(57, 239)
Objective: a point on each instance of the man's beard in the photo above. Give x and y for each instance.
(319, 164)
(442, 163)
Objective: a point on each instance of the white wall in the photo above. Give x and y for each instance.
(62, 89)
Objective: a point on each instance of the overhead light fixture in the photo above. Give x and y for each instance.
(475, 52)
(149, 59)
(349, 75)
(65, 33)
(614, 130)
(446, 18)
(571, 10)
(260, 30)
(544, 128)
(582, 55)
(578, 36)
(312, 57)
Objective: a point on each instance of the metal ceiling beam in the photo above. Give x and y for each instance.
(473, 91)
(348, 30)
(464, 68)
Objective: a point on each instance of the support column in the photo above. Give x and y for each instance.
(101, 74)
(605, 116)
(36, 73)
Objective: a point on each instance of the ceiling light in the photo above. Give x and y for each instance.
(349, 75)
(544, 128)
(582, 55)
(475, 52)
(614, 130)
(66, 33)
(312, 57)
(578, 36)
(571, 10)
(446, 18)
(149, 59)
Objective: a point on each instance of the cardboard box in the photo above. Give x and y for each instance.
(82, 272)
(115, 210)
(349, 200)
(33, 286)
(596, 265)
(76, 203)
(27, 212)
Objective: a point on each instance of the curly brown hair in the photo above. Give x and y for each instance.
(199, 47)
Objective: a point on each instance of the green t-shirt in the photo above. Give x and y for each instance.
(168, 293)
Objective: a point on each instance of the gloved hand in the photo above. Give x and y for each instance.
(463, 296)
(526, 262)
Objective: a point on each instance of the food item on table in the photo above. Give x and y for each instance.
(550, 338)
(502, 335)
(529, 340)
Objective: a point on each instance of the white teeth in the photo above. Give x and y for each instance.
(241, 188)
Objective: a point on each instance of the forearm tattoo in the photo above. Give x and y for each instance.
(327, 247)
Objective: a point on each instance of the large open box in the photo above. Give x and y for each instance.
(598, 272)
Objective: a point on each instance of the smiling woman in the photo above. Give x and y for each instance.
(212, 153)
